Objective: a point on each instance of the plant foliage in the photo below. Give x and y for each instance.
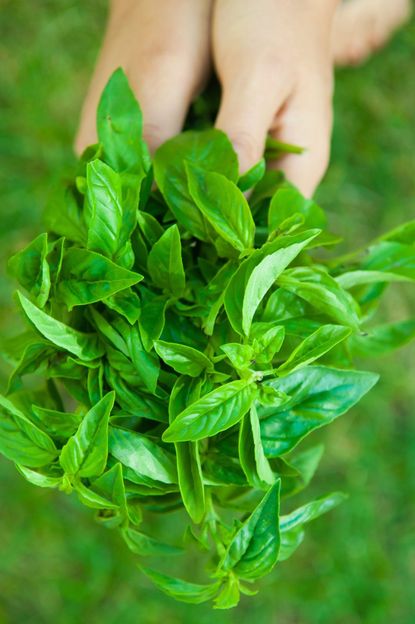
(185, 339)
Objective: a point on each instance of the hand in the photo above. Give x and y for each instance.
(163, 46)
(273, 59)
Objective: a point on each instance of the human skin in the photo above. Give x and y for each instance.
(272, 57)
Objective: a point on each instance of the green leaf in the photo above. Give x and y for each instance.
(88, 277)
(63, 216)
(56, 423)
(318, 395)
(267, 340)
(281, 305)
(89, 498)
(382, 339)
(39, 479)
(291, 526)
(183, 359)
(229, 594)
(275, 149)
(165, 263)
(404, 233)
(150, 227)
(178, 589)
(251, 177)
(223, 205)
(21, 441)
(152, 318)
(30, 267)
(358, 278)
(253, 551)
(85, 346)
(214, 412)
(146, 546)
(189, 469)
(304, 464)
(103, 208)
(391, 257)
(314, 346)
(255, 276)
(251, 453)
(287, 202)
(119, 126)
(210, 149)
(85, 453)
(144, 458)
(126, 303)
(321, 291)
(34, 357)
(110, 486)
(240, 356)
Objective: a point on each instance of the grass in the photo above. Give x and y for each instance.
(357, 564)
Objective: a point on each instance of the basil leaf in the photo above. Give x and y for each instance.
(251, 453)
(211, 150)
(21, 441)
(323, 292)
(56, 423)
(189, 469)
(142, 456)
(85, 453)
(391, 257)
(31, 269)
(103, 208)
(39, 479)
(63, 216)
(267, 340)
(110, 485)
(214, 412)
(126, 303)
(382, 339)
(291, 526)
(84, 346)
(192, 593)
(223, 205)
(183, 359)
(318, 395)
(229, 594)
(150, 227)
(305, 464)
(119, 126)
(254, 175)
(89, 498)
(146, 546)
(34, 357)
(253, 551)
(165, 263)
(357, 278)
(314, 346)
(88, 277)
(152, 318)
(288, 201)
(240, 356)
(404, 233)
(249, 285)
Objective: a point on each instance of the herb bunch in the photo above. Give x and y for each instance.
(184, 341)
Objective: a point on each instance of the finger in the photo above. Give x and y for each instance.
(254, 82)
(307, 122)
(165, 54)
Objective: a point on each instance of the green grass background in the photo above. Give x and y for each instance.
(358, 563)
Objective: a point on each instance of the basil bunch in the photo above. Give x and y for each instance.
(186, 340)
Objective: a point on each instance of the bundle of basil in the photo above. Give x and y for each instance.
(175, 329)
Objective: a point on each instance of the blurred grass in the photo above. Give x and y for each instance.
(357, 564)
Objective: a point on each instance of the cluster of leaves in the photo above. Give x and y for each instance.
(186, 340)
